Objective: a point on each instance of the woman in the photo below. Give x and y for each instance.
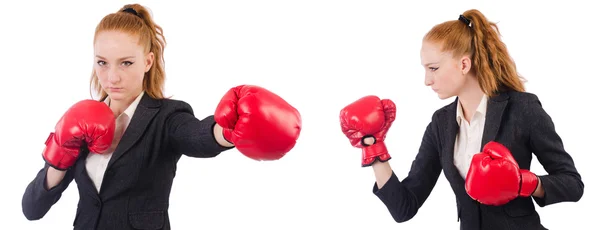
(122, 150)
(483, 141)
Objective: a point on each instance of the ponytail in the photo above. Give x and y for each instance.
(473, 35)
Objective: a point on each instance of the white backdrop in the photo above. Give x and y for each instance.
(318, 55)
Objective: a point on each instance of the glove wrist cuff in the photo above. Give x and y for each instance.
(529, 183)
(377, 151)
(227, 135)
(54, 156)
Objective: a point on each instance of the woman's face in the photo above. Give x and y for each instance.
(443, 73)
(120, 64)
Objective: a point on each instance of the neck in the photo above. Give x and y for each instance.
(119, 106)
(470, 97)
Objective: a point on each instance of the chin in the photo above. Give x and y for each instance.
(443, 96)
(116, 95)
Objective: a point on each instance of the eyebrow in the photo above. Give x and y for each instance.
(123, 58)
(430, 63)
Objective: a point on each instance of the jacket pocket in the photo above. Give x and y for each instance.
(152, 220)
(519, 207)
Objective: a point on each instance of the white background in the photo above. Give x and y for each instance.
(318, 55)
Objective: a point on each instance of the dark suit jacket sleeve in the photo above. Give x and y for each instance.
(404, 198)
(193, 137)
(563, 182)
(37, 199)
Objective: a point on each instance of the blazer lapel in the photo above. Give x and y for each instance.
(449, 132)
(86, 181)
(146, 110)
(493, 117)
(493, 120)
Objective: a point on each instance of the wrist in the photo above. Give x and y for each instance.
(56, 156)
(539, 190)
(218, 133)
(375, 152)
(529, 183)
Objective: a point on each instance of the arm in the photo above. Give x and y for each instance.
(193, 137)
(563, 182)
(404, 198)
(54, 177)
(44, 191)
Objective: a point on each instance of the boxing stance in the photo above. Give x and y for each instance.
(484, 141)
(122, 150)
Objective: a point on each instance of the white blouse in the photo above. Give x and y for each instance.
(96, 163)
(468, 140)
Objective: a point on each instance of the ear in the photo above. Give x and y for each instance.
(465, 64)
(149, 61)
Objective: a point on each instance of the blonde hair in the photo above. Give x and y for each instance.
(473, 35)
(136, 20)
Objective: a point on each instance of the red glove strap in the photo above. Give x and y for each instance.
(53, 155)
(529, 183)
(371, 153)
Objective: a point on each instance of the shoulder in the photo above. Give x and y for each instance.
(524, 102)
(174, 103)
(170, 106)
(522, 97)
(440, 118)
(445, 111)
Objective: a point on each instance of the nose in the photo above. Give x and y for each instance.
(428, 80)
(113, 75)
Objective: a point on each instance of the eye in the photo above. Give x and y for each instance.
(127, 63)
(101, 63)
(433, 69)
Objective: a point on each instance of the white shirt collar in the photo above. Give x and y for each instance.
(132, 107)
(481, 108)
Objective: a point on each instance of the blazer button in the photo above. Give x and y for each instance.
(97, 203)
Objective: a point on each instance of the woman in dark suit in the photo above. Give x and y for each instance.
(122, 150)
(483, 141)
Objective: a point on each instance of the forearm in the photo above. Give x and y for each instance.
(563, 184)
(558, 188)
(404, 198)
(396, 196)
(54, 177)
(197, 138)
(383, 172)
(539, 191)
(38, 198)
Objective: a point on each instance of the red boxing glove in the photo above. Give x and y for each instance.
(369, 116)
(494, 177)
(87, 122)
(260, 124)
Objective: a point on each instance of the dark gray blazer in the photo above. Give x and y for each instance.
(137, 182)
(515, 119)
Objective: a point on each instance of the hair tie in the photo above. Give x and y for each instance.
(465, 20)
(131, 11)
